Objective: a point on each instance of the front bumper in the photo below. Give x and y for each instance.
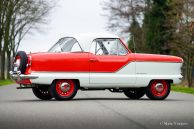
(17, 76)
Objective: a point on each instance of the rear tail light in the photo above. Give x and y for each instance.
(29, 61)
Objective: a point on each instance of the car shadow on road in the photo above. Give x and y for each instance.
(87, 99)
(126, 99)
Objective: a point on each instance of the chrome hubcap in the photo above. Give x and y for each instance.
(159, 87)
(65, 86)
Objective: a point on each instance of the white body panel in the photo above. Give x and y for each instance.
(134, 74)
(124, 77)
(146, 71)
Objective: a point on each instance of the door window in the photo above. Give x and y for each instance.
(108, 47)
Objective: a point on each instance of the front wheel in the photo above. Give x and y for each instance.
(134, 93)
(42, 92)
(64, 89)
(158, 90)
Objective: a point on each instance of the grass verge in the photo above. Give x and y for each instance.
(5, 82)
(179, 88)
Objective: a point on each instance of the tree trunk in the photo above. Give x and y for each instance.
(189, 79)
(3, 65)
(0, 65)
(189, 66)
(8, 64)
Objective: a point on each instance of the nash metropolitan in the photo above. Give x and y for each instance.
(95, 62)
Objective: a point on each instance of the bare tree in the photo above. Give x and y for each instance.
(17, 18)
(120, 13)
(184, 37)
(126, 17)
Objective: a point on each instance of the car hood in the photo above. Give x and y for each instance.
(157, 58)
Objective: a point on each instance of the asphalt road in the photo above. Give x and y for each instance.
(20, 109)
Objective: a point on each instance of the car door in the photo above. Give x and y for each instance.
(111, 63)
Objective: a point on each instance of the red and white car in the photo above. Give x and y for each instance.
(95, 62)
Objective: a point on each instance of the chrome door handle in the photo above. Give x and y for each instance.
(93, 60)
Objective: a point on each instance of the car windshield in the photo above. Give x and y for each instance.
(67, 44)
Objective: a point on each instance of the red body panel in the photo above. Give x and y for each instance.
(60, 62)
(87, 62)
(109, 63)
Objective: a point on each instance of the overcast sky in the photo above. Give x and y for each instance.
(68, 17)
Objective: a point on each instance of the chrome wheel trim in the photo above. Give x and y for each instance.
(65, 87)
(159, 87)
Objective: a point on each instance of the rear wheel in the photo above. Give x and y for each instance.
(42, 92)
(158, 90)
(134, 93)
(64, 89)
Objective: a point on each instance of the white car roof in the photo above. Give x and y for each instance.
(85, 39)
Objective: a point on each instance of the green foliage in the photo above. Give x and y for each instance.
(183, 89)
(136, 36)
(183, 38)
(5, 82)
(167, 27)
(157, 33)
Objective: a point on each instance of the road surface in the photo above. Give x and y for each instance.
(20, 109)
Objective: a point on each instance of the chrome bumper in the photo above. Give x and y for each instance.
(17, 76)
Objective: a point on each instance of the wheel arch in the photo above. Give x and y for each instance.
(169, 81)
(75, 80)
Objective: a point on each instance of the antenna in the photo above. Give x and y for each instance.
(133, 40)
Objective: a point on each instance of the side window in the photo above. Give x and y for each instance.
(121, 49)
(108, 47)
(96, 49)
(76, 48)
(93, 47)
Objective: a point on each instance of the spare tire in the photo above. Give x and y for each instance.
(21, 61)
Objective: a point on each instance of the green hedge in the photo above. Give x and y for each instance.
(5, 82)
(179, 88)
